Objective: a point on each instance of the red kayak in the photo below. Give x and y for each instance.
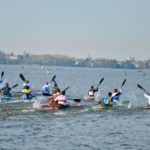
(46, 107)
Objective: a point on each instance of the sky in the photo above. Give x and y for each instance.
(115, 29)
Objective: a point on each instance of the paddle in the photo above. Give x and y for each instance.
(22, 77)
(53, 79)
(55, 83)
(100, 82)
(139, 86)
(64, 91)
(14, 86)
(124, 81)
(76, 100)
(2, 74)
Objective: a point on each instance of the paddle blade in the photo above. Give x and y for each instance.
(100, 82)
(123, 83)
(140, 86)
(53, 78)
(77, 100)
(2, 74)
(14, 86)
(22, 77)
(143, 89)
(64, 91)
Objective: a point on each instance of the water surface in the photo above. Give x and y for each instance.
(79, 129)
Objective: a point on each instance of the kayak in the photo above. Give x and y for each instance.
(17, 96)
(10, 97)
(144, 107)
(20, 93)
(147, 107)
(14, 98)
(46, 107)
(89, 98)
(123, 105)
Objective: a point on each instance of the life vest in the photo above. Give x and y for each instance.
(26, 91)
(107, 100)
(91, 92)
(61, 99)
(53, 102)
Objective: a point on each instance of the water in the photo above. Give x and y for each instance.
(79, 129)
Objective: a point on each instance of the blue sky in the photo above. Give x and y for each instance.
(100, 28)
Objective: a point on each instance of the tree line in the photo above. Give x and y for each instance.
(62, 60)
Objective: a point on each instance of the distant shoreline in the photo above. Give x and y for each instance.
(65, 61)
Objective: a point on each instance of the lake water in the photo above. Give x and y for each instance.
(79, 129)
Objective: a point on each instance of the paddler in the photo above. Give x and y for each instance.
(115, 96)
(46, 89)
(6, 90)
(91, 92)
(106, 101)
(27, 94)
(59, 100)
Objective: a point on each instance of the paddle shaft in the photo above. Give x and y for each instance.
(143, 89)
(53, 79)
(64, 91)
(124, 81)
(14, 86)
(100, 82)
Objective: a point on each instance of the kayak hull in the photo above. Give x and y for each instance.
(46, 107)
(88, 98)
(16, 96)
(124, 105)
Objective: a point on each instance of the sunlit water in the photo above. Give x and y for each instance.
(80, 129)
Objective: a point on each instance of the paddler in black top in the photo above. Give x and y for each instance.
(6, 90)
